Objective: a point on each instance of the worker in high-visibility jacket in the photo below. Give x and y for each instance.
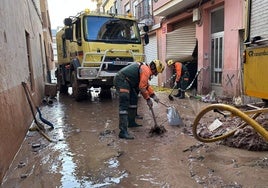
(128, 81)
(182, 77)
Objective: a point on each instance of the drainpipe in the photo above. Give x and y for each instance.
(249, 7)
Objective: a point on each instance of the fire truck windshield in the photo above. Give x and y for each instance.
(111, 30)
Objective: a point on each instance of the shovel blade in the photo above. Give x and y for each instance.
(174, 117)
(170, 98)
(158, 130)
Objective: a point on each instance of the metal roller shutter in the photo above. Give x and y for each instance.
(259, 20)
(151, 54)
(181, 43)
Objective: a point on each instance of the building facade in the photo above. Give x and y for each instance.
(142, 10)
(203, 34)
(25, 53)
(206, 35)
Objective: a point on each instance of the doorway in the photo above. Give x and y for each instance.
(217, 47)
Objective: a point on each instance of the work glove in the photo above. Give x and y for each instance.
(149, 103)
(155, 98)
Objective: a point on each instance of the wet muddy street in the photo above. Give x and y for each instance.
(86, 151)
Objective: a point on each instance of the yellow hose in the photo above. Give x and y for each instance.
(235, 112)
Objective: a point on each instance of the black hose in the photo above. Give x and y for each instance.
(27, 92)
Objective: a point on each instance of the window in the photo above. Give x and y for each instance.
(111, 30)
(134, 6)
(216, 58)
(143, 10)
(64, 51)
(127, 8)
(78, 29)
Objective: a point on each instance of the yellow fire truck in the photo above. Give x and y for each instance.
(92, 47)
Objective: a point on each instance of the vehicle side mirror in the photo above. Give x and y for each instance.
(68, 33)
(146, 38)
(67, 22)
(145, 28)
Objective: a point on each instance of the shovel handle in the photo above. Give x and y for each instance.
(155, 123)
(173, 89)
(163, 104)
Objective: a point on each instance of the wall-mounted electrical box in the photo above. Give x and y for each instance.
(196, 15)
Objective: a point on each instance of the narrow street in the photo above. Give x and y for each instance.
(86, 151)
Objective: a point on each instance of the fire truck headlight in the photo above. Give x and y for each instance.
(88, 73)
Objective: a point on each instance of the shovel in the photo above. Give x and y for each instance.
(169, 96)
(156, 129)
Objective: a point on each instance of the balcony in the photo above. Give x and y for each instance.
(143, 11)
(174, 6)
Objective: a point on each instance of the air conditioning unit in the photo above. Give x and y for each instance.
(196, 15)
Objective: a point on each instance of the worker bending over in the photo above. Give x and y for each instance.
(128, 81)
(182, 77)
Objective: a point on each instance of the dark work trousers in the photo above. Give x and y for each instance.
(183, 82)
(126, 99)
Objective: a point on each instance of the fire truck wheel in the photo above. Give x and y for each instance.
(79, 93)
(61, 87)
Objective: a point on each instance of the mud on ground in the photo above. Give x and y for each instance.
(88, 153)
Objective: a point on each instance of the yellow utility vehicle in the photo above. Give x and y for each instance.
(92, 47)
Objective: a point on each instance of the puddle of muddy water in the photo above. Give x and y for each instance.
(78, 158)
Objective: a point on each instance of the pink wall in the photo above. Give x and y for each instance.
(202, 35)
(161, 41)
(232, 64)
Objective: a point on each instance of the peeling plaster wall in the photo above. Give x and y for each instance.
(17, 18)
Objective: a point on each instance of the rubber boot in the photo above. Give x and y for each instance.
(179, 93)
(123, 123)
(182, 95)
(131, 118)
